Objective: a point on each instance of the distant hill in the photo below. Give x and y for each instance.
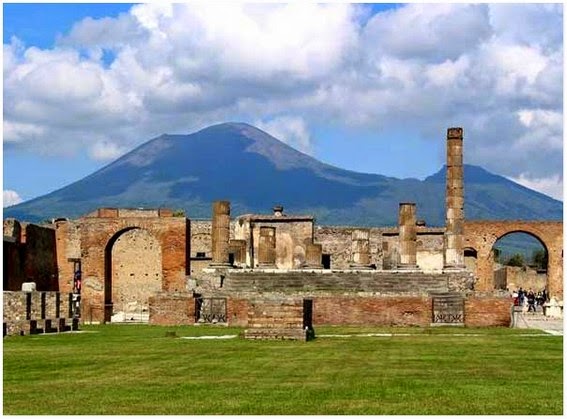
(253, 170)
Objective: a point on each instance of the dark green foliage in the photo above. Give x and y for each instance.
(539, 259)
(516, 260)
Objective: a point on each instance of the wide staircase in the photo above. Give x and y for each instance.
(410, 283)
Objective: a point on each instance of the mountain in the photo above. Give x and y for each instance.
(253, 170)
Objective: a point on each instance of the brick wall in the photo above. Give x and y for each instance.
(275, 318)
(387, 311)
(376, 310)
(237, 312)
(169, 309)
(487, 311)
(99, 234)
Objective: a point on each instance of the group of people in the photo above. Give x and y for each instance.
(529, 299)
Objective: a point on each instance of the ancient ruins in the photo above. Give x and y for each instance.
(278, 275)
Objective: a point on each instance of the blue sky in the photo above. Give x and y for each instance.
(85, 83)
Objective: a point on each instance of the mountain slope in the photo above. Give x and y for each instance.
(253, 170)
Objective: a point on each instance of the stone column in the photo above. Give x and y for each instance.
(220, 233)
(453, 254)
(267, 248)
(360, 258)
(407, 236)
(313, 256)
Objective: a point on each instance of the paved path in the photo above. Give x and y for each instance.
(538, 321)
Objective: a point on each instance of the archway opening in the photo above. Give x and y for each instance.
(470, 259)
(520, 264)
(133, 262)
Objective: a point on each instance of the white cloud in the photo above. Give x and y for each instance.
(289, 129)
(105, 150)
(433, 33)
(10, 198)
(551, 186)
(497, 70)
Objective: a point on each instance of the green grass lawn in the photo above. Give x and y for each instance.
(138, 369)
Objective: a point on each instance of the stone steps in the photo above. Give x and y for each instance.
(345, 282)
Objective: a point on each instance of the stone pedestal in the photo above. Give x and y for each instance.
(407, 236)
(360, 258)
(554, 309)
(267, 248)
(453, 241)
(220, 234)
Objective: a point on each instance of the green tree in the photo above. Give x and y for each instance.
(516, 260)
(539, 259)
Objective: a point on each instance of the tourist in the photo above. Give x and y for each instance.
(531, 301)
(521, 295)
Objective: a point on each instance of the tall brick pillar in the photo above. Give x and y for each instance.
(360, 256)
(313, 256)
(220, 233)
(408, 236)
(453, 255)
(267, 248)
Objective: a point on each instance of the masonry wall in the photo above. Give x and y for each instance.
(275, 318)
(384, 246)
(172, 309)
(526, 278)
(137, 271)
(291, 240)
(337, 242)
(356, 310)
(201, 241)
(13, 266)
(237, 311)
(30, 256)
(482, 311)
(99, 232)
(386, 311)
(68, 243)
(37, 312)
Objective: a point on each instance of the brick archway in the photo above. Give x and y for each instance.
(99, 231)
(482, 235)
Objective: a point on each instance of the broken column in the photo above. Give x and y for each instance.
(267, 248)
(220, 233)
(453, 255)
(360, 258)
(313, 256)
(407, 236)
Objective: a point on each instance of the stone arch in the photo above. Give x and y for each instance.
(506, 274)
(133, 272)
(482, 235)
(99, 232)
